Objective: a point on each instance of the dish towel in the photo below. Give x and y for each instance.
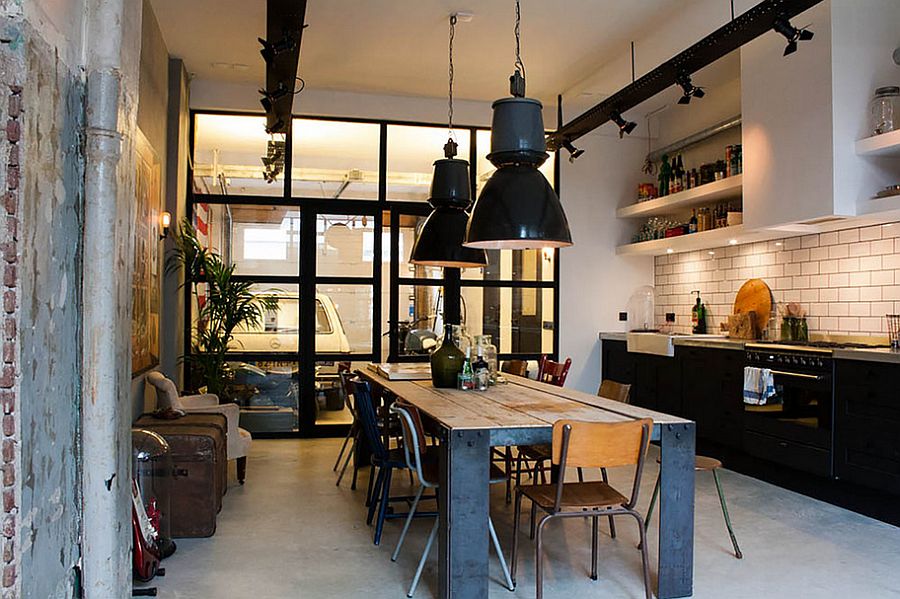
(759, 385)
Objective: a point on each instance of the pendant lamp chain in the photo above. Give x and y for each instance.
(451, 145)
(517, 80)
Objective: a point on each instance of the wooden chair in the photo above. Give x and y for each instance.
(353, 435)
(554, 373)
(516, 367)
(615, 391)
(703, 464)
(588, 445)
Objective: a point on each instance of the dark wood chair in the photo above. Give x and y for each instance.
(516, 367)
(615, 391)
(703, 464)
(587, 445)
(553, 373)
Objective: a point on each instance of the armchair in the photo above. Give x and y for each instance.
(238, 439)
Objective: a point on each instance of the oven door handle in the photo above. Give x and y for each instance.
(814, 377)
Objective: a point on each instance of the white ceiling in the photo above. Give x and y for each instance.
(400, 46)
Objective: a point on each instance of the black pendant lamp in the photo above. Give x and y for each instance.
(440, 240)
(517, 208)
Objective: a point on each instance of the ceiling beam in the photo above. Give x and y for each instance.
(284, 21)
(734, 34)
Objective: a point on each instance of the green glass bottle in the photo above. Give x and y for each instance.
(446, 361)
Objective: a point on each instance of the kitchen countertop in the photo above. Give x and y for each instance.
(688, 340)
(875, 354)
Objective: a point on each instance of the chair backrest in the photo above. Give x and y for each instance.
(516, 367)
(365, 411)
(344, 377)
(552, 372)
(413, 438)
(166, 392)
(601, 445)
(614, 391)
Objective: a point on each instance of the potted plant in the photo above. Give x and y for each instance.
(223, 304)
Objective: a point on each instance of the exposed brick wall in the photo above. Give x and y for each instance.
(9, 445)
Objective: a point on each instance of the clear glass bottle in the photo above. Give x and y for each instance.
(883, 108)
(446, 361)
(490, 356)
(481, 370)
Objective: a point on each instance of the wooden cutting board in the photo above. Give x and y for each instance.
(755, 296)
(409, 371)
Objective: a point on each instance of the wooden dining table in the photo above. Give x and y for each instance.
(522, 412)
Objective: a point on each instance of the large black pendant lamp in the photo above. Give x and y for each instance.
(440, 240)
(517, 208)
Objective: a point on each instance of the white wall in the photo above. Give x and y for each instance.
(595, 283)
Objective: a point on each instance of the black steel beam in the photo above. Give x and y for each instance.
(284, 20)
(737, 32)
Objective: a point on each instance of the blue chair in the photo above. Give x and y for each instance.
(383, 459)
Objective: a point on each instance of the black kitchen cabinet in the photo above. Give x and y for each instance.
(712, 392)
(867, 424)
(617, 363)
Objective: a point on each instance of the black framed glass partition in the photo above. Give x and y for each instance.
(328, 233)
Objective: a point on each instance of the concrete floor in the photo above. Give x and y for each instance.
(290, 533)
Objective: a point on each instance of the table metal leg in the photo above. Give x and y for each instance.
(464, 511)
(676, 511)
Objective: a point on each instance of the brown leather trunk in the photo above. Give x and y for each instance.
(198, 446)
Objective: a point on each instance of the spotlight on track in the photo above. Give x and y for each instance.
(574, 153)
(624, 126)
(690, 90)
(269, 98)
(272, 49)
(792, 34)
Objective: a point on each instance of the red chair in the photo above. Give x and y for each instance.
(554, 373)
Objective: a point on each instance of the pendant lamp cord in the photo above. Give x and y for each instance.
(519, 64)
(451, 145)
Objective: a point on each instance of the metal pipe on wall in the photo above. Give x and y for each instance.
(108, 263)
(696, 138)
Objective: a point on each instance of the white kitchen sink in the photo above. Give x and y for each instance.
(659, 344)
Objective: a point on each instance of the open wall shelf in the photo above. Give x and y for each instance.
(709, 193)
(683, 243)
(886, 144)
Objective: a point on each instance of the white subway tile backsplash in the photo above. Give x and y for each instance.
(869, 233)
(845, 280)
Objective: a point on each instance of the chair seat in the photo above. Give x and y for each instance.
(702, 463)
(536, 452)
(575, 495)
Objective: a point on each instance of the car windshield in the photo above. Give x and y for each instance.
(323, 325)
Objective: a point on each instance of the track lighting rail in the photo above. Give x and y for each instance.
(731, 36)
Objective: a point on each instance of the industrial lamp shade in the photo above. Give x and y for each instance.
(518, 210)
(440, 240)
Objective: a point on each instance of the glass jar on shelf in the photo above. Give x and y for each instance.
(883, 108)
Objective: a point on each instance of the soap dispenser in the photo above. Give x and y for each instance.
(698, 316)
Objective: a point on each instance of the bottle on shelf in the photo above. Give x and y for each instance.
(692, 224)
(679, 174)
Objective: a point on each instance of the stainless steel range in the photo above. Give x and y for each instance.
(794, 427)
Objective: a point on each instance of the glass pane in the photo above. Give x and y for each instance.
(515, 265)
(345, 245)
(268, 393)
(228, 153)
(410, 227)
(279, 331)
(344, 324)
(331, 401)
(334, 159)
(258, 240)
(411, 152)
(421, 321)
(518, 320)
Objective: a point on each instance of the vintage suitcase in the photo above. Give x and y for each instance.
(198, 445)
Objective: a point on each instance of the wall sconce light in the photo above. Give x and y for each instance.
(165, 220)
